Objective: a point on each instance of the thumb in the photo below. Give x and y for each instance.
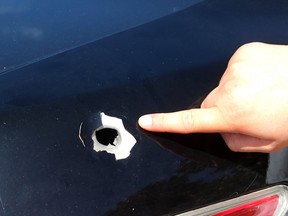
(204, 120)
(245, 143)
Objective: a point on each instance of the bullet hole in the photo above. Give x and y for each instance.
(106, 136)
(101, 132)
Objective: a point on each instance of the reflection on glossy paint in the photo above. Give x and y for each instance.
(14, 6)
(31, 32)
(278, 167)
(58, 19)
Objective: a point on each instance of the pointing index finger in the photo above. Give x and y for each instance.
(204, 120)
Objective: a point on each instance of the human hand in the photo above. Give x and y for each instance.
(249, 107)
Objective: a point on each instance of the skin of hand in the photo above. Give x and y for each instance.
(249, 107)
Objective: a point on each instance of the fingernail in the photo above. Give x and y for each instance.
(145, 121)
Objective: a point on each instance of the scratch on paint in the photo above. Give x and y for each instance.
(2, 205)
(251, 183)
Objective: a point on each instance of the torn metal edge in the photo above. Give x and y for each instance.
(122, 149)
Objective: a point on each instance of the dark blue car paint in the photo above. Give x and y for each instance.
(164, 65)
(32, 30)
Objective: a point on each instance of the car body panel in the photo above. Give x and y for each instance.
(32, 30)
(165, 65)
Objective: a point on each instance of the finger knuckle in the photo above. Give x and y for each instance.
(248, 47)
(162, 121)
(250, 50)
(188, 122)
